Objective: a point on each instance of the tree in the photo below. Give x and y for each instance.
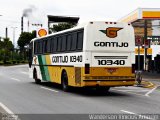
(0, 44)
(62, 26)
(6, 47)
(24, 40)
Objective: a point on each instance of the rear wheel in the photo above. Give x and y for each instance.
(64, 82)
(37, 81)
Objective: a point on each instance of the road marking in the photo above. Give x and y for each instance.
(129, 92)
(128, 112)
(11, 114)
(140, 116)
(6, 109)
(25, 73)
(147, 94)
(49, 89)
(16, 79)
(135, 90)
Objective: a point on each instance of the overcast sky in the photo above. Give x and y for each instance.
(112, 10)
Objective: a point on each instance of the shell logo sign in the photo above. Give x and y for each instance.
(42, 32)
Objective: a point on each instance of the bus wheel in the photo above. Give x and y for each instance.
(64, 81)
(37, 81)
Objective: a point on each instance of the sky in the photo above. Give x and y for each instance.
(103, 10)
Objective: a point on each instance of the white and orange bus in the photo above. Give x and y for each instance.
(95, 54)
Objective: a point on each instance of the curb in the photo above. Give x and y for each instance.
(145, 84)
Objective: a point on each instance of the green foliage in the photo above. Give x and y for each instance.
(1, 62)
(25, 38)
(5, 47)
(62, 26)
(9, 55)
(7, 44)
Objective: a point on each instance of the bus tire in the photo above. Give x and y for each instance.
(64, 81)
(37, 81)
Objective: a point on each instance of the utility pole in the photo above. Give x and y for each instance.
(6, 32)
(145, 46)
(28, 25)
(21, 24)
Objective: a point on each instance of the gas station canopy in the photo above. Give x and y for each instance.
(138, 18)
(142, 21)
(142, 14)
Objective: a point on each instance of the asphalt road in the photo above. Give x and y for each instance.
(21, 95)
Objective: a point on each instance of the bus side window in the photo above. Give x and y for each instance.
(74, 41)
(45, 41)
(48, 45)
(35, 47)
(40, 46)
(54, 45)
(80, 40)
(63, 43)
(59, 44)
(69, 42)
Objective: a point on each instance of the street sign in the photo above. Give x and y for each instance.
(138, 40)
(146, 43)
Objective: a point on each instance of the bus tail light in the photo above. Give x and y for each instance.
(87, 68)
(133, 68)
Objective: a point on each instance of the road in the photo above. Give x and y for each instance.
(21, 95)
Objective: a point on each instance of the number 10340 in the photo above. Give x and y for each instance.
(111, 62)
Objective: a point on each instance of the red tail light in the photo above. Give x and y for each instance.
(87, 68)
(133, 68)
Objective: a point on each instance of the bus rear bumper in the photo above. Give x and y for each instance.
(109, 83)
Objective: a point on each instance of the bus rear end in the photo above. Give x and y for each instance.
(109, 55)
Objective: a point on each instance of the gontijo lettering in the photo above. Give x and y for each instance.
(110, 44)
(66, 59)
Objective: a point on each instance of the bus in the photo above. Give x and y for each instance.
(94, 54)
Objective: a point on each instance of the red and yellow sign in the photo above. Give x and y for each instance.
(42, 32)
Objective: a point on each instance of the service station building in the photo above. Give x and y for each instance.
(146, 23)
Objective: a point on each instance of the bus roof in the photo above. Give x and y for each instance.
(79, 26)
